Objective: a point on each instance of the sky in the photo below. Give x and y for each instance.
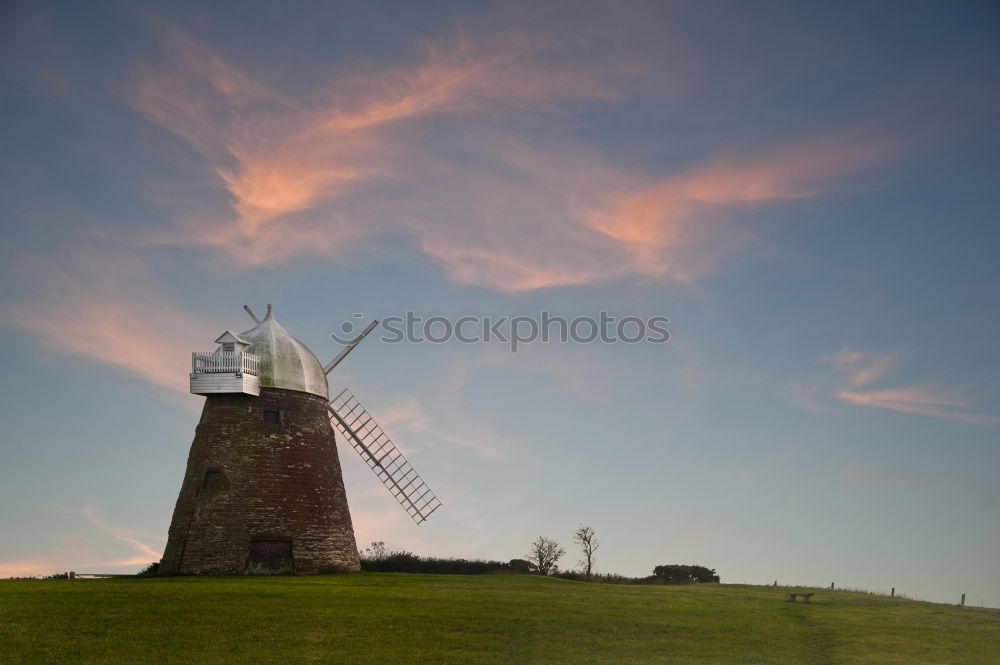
(807, 190)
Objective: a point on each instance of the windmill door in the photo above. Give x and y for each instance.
(271, 556)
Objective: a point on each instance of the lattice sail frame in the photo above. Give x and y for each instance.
(382, 456)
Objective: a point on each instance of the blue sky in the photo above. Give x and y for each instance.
(807, 190)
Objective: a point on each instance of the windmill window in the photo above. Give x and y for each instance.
(273, 417)
(228, 347)
(215, 480)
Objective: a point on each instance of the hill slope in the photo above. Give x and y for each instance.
(387, 618)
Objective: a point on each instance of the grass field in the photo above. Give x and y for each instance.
(396, 618)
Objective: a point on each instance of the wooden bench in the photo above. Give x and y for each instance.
(805, 597)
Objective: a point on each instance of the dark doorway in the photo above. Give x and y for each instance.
(271, 556)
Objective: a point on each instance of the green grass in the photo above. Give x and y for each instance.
(394, 618)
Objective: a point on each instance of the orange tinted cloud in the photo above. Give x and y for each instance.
(671, 224)
(312, 177)
(265, 189)
(862, 368)
(498, 73)
(49, 563)
(87, 551)
(507, 267)
(288, 164)
(36, 566)
(201, 97)
(555, 216)
(854, 370)
(923, 400)
(145, 552)
(104, 310)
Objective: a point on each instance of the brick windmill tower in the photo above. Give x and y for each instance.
(263, 490)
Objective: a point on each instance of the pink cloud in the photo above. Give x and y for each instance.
(474, 74)
(671, 225)
(405, 418)
(923, 400)
(301, 174)
(287, 164)
(90, 551)
(854, 369)
(105, 310)
(507, 267)
(145, 552)
(558, 215)
(37, 566)
(862, 368)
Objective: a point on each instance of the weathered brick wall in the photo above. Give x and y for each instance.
(252, 480)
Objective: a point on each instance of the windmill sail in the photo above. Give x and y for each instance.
(382, 456)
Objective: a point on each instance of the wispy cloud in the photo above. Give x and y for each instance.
(89, 550)
(145, 552)
(533, 215)
(106, 310)
(406, 418)
(925, 400)
(287, 163)
(311, 176)
(853, 371)
(862, 368)
(671, 224)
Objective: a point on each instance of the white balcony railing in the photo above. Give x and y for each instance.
(214, 362)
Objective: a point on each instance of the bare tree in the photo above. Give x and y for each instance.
(544, 554)
(377, 552)
(586, 538)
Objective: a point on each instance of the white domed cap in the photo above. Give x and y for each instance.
(285, 362)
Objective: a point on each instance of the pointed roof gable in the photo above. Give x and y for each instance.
(231, 337)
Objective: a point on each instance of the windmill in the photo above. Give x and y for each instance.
(263, 489)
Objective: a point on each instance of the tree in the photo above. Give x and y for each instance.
(674, 574)
(376, 552)
(519, 566)
(586, 538)
(544, 554)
